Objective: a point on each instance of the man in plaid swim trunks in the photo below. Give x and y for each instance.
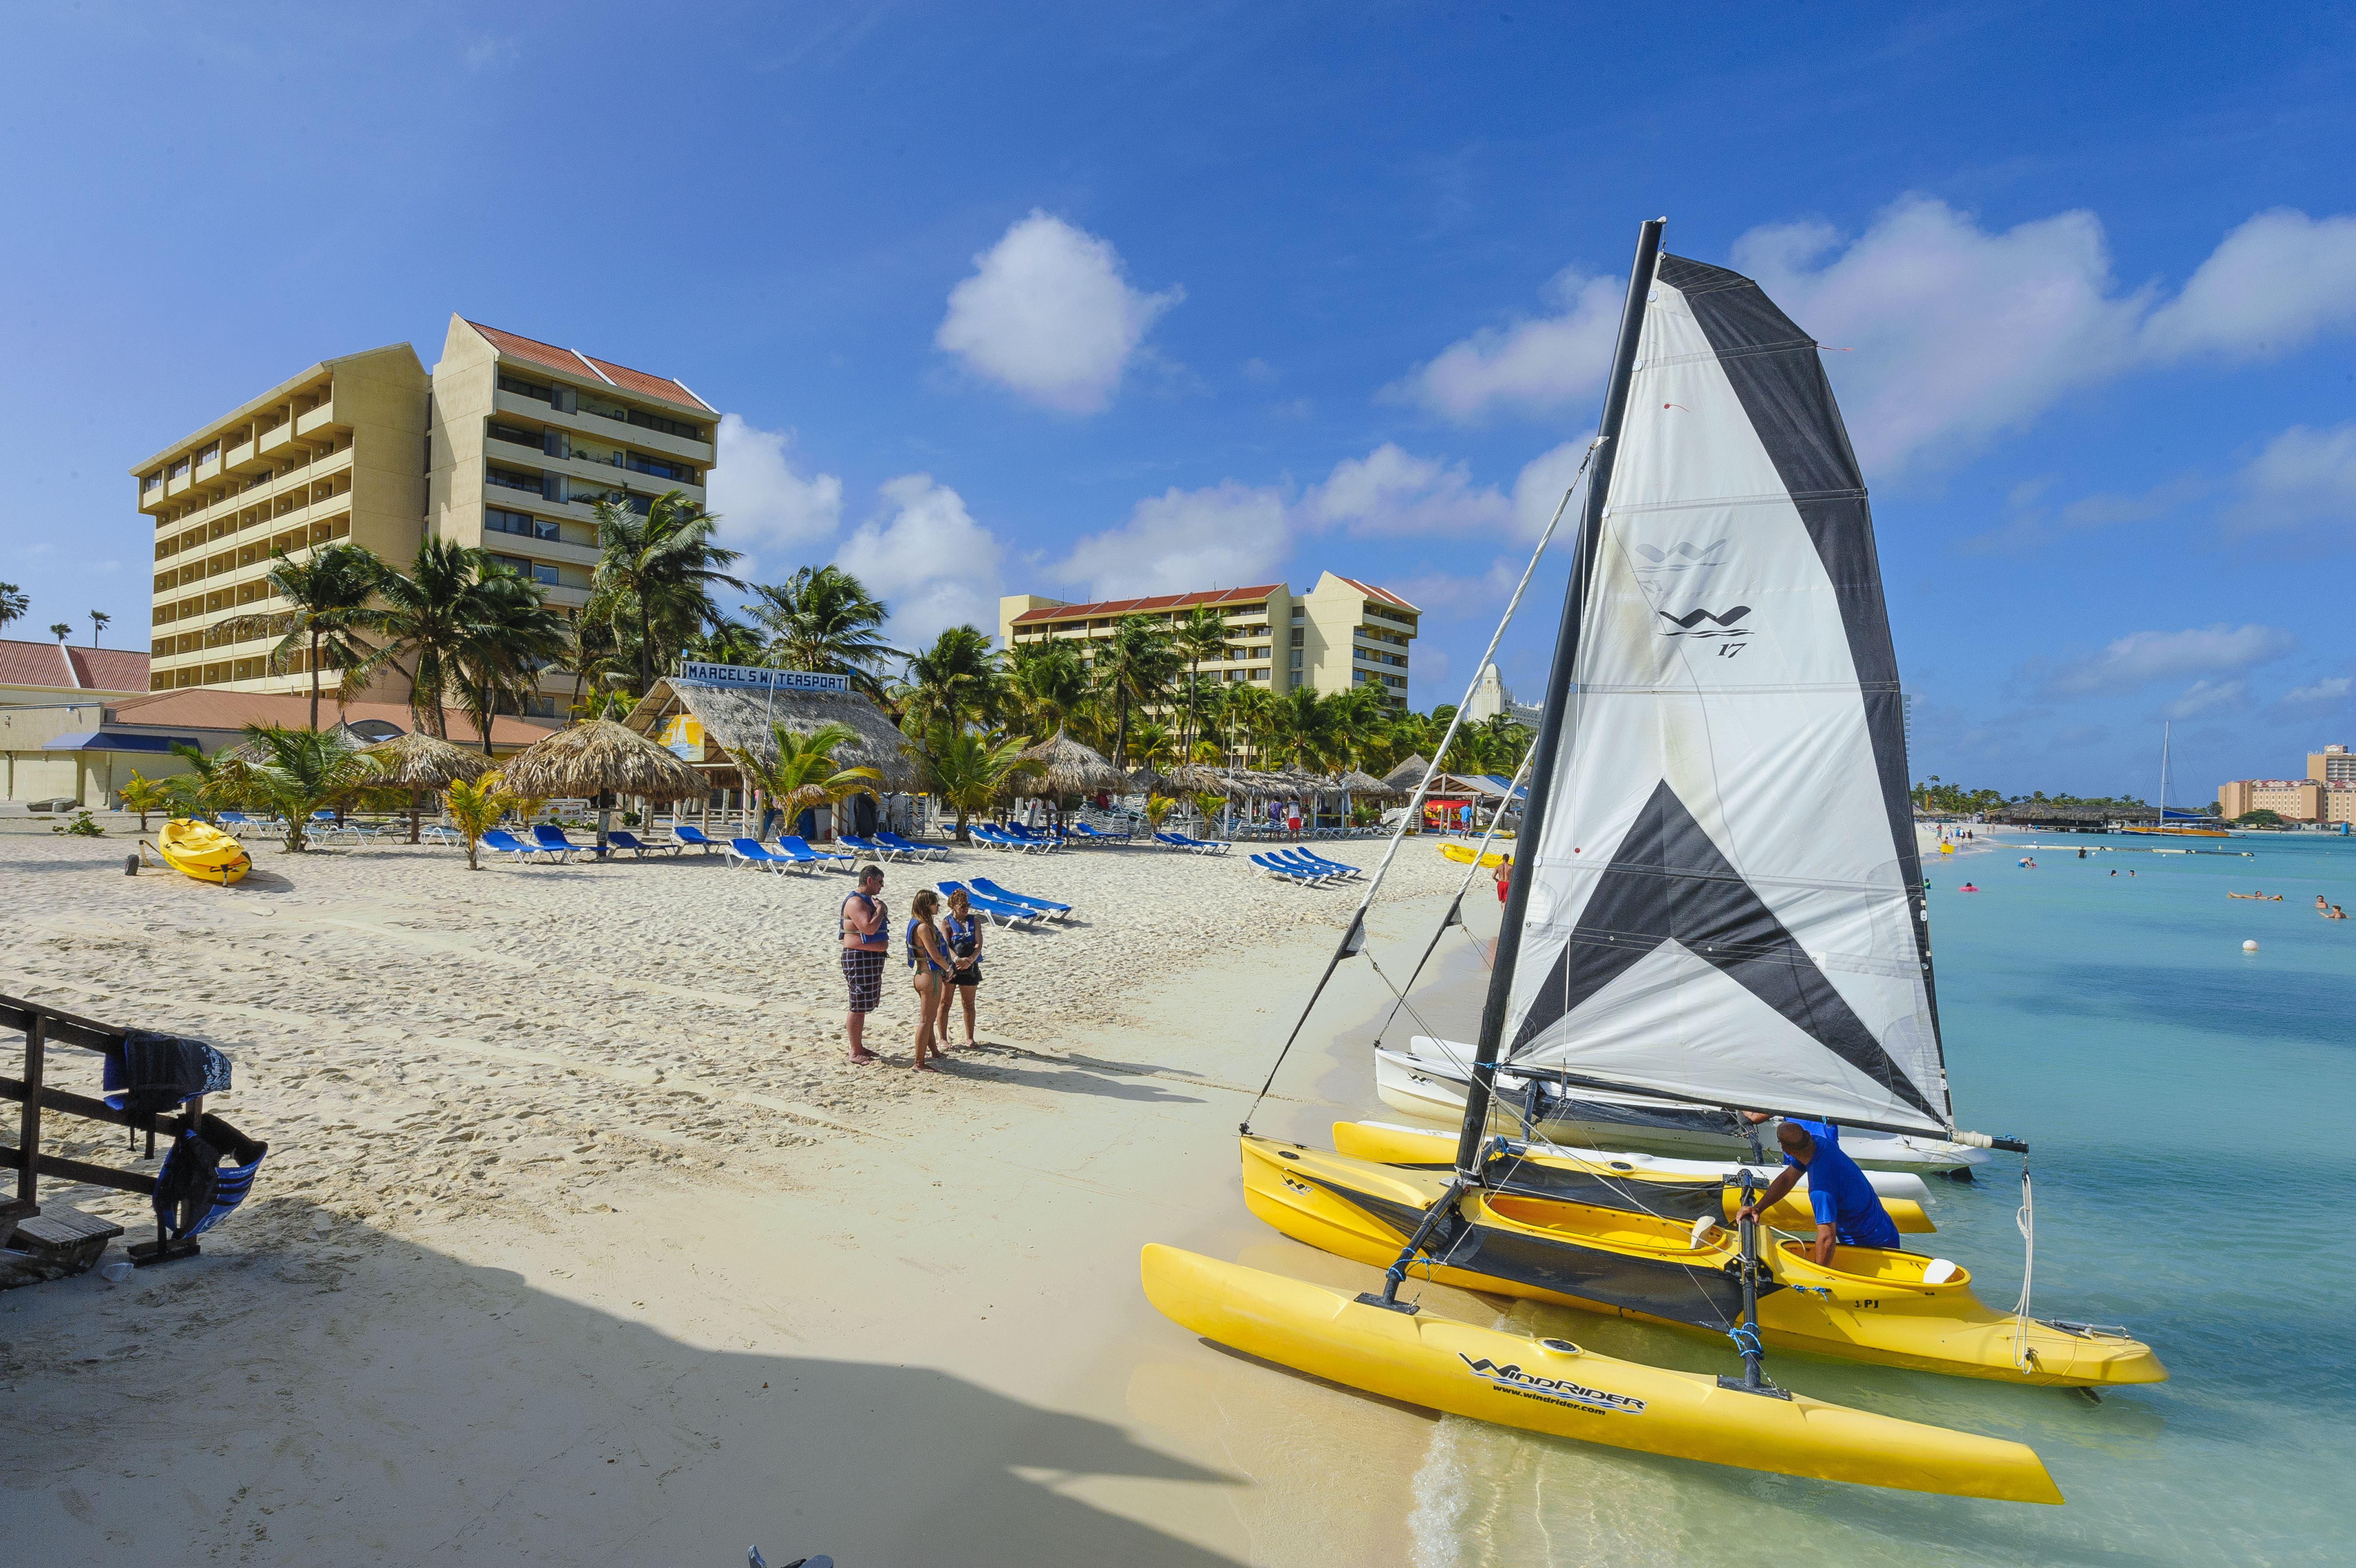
(866, 940)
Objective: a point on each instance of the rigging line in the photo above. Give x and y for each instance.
(1455, 915)
(1402, 998)
(1353, 936)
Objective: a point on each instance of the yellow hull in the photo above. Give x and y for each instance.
(1428, 1151)
(1871, 1305)
(1552, 1386)
(1462, 854)
(199, 849)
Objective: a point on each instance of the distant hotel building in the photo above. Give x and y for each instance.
(1341, 634)
(2325, 796)
(504, 448)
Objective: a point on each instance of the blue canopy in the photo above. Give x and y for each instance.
(118, 740)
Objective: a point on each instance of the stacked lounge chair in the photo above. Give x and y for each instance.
(913, 851)
(502, 842)
(1318, 863)
(753, 853)
(1047, 906)
(1005, 913)
(1284, 871)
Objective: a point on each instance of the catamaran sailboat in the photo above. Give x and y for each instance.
(1717, 904)
(2184, 824)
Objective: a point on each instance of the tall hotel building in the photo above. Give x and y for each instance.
(505, 448)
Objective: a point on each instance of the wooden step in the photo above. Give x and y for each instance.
(53, 1242)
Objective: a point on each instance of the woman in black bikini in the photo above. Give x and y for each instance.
(929, 964)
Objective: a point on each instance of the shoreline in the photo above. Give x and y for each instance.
(558, 1352)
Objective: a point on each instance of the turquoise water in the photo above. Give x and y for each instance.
(2189, 1107)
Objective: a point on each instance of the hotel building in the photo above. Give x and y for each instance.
(1341, 634)
(2326, 797)
(504, 448)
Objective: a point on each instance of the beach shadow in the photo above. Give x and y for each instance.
(473, 1416)
(1077, 1079)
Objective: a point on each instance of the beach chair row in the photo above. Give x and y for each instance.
(988, 898)
(1304, 869)
(1015, 837)
(1192, 845)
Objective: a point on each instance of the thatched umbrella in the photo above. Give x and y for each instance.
(1068, 768)
(597, 760)
(419, 762)
(1408, 775)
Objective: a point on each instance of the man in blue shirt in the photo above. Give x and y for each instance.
(1842, 1196)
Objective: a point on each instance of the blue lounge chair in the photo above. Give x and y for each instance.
(620, 839)
(505, 842)
(914, 851)
(1284, 873)
(752, 853)
(1087, 834)
(549, 837)
(1317, 863)
(692, 838)
(989, 889)
(800, 847)
(870, 847)
(982, 904)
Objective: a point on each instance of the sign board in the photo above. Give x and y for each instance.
(759, 679)
(682, 735)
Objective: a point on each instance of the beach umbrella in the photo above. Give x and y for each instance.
(420, 763)
(1408, 775)
(1068, 768)
(597, 760)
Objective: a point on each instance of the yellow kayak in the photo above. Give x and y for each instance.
(1660, 1262)
(1553, 1386)
(1462, 854)
(202, 850)
(1681, 1195)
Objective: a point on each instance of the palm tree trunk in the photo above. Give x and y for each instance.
(1121, 732)
(645, 646)
(314, 681)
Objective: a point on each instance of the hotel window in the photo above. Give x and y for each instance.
(516, 436)
(179, 468)
(1259, 674)
(499, 519)
(523, 387)
(513, 480)
(150, 481)
(537, 571)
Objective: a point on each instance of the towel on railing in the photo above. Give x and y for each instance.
(148, 1072)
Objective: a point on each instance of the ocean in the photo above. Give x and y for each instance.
(2189, 1108)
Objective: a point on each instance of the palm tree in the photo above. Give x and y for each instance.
(330, 592)
(1299, 730)
(726, 642)
(824, 621)
(476, 806)
(1048, 681)
(61, 630)
(512, 635)
(1199, 634)
(655, 573)
(966, 771)
(210, 786)
(303, 770)
(1134, 668)
(14, 603)
(804, 773)
(144, 796)
(956, 682)
(1152, 745)
(98, 621)
(1248, 707)
(428, 620)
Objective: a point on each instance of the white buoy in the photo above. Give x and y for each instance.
(2249, 947)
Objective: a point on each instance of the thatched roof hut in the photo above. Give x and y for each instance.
(1408, 775)
(1366, 786)
(737, 717)
(419, 761)
(593, 759)
(1069, 767)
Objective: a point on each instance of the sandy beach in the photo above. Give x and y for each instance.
(578, 1241)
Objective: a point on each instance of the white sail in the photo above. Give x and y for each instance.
(1726, 900)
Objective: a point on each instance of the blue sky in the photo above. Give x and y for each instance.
(1094, 299)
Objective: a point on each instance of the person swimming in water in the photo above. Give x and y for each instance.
(1967, 887)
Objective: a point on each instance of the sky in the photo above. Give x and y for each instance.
(1096, 299)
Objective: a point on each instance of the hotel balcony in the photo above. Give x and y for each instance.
(598, 427)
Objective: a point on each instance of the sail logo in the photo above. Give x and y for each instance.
(1510, 1379)
(1693, 555)
(1724, 626)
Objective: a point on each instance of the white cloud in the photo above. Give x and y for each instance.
(1226, 535)
(1533, 366)
(1540, 488)
(2202, 696)
(2142, 657)
(925, 556)
(1954, 333)
(2330, 689)
(1048, 314)
(767, 508)
(2305, 480)
(1390, 490)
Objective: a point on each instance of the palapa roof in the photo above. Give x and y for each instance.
(588, 759)
(1244, 783)
(1068, 768)
(419, 761)
(1357, 783)
(737, 718)
(1408, 775)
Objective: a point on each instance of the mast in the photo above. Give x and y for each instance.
(1548, 744)
(2165, 726)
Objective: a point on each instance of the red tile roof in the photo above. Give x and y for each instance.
(1385, 595)
(91, 670)
(574, 364)
(209, 707)
(1155, 602)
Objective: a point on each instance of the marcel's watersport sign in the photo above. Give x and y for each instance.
(759, 679)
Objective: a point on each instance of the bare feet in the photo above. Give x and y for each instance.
(861, 1058)
(924, 1067)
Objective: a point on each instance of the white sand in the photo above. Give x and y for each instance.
(623, 1263)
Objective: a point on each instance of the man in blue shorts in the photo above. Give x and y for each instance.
(1845, 1207)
